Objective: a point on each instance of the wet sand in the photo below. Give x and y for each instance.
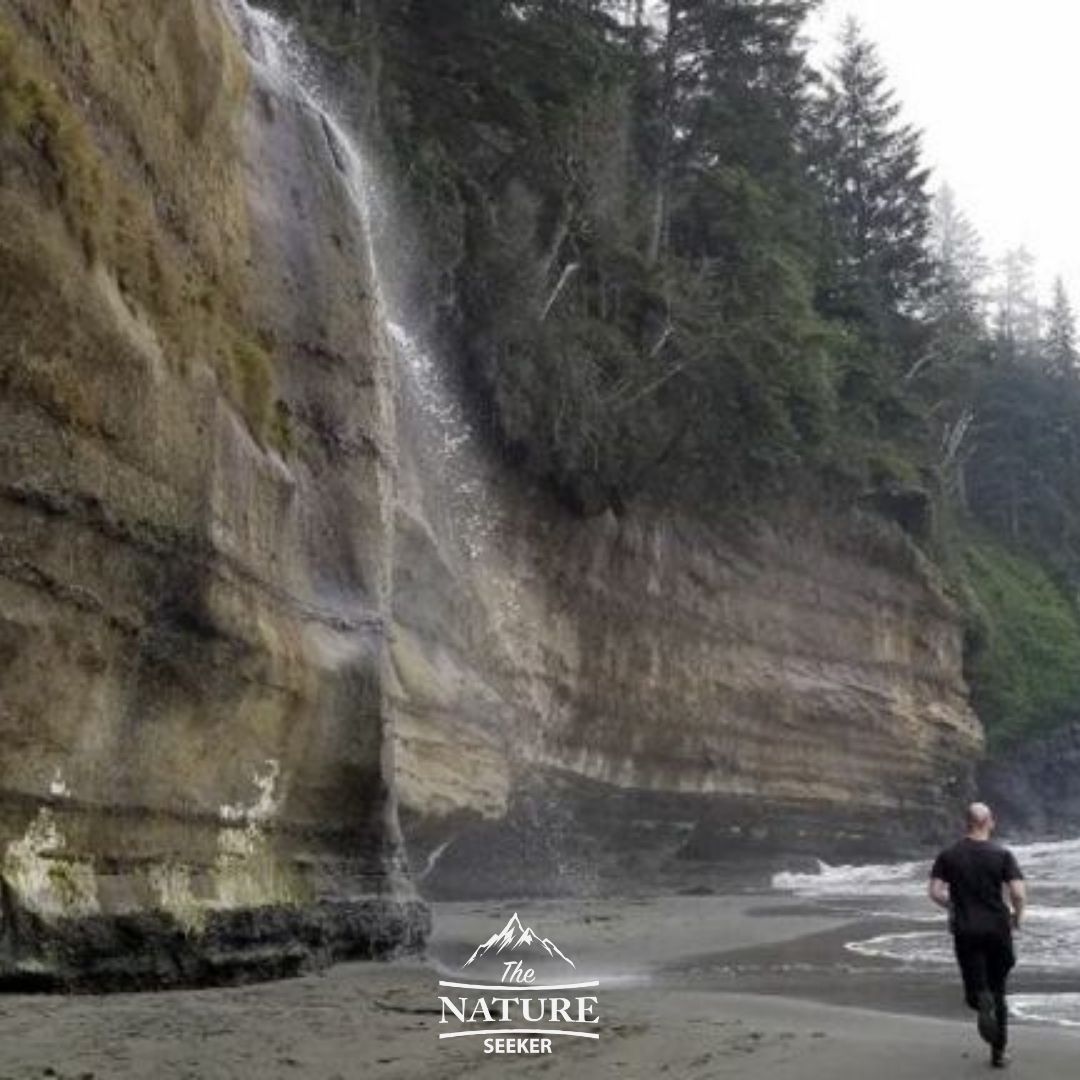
(692, 987)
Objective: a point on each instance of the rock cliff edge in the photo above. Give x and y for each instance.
(276, 644)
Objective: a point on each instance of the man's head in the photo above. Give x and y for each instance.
(979, 821)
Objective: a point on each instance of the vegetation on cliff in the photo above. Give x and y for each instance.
(1023, 673)
(162, 221)
(679, 262)
(683, 265)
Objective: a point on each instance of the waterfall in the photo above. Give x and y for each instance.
(448, 447)
(456, 533)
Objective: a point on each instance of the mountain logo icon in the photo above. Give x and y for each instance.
(514, 937)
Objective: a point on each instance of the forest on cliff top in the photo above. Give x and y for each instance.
(682, 265)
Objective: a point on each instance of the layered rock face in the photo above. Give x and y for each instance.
(195, 513)
(643, 702)
(261, 584)
(655, 701)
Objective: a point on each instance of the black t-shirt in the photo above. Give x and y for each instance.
(975, 871)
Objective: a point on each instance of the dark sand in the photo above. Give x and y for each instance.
(692, 987)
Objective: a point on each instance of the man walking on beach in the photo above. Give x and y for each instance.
(970, 880)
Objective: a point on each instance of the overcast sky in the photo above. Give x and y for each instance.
(995, 86)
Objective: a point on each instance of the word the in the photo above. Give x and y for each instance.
(513, 972)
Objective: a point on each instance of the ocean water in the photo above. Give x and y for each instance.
(1049, 941)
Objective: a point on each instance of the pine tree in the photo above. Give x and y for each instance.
(960, 267)
(733, 93)
(953, 313)
(1059, 345)
(870, 167)
(743, 80)
(1017, 322)
(739, 234)
(948, 371)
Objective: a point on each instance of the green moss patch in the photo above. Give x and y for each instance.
(1024, 663)
(251, 384)
(193, 296)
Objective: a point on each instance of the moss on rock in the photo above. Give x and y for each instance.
(1024, 664)
(172, 236)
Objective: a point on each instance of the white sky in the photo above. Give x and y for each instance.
(995, 87)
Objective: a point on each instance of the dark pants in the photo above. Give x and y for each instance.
(985, 962)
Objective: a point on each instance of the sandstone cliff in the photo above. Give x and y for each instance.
(194, 513)
(260, 583)
(632, 703)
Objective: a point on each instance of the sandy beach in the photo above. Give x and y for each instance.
(740, 986)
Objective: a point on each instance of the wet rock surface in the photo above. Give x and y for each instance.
(605, 704)
(1034, 788)
(195, 512)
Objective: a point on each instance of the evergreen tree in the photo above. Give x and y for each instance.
(743, 81)
(741, 96)
(1017, 319)
(1059, 345)
(739, 236)
(869, 164)
(733, 85)
(954, 358)
(677, 265)
(959, 265)
(954, 309)
(1024, 475)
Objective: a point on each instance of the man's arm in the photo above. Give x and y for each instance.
(939, 892)
(1014, 885)
(1017, 900)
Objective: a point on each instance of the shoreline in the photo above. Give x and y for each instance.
(762, 1005)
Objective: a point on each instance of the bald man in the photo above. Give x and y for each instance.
(980, 885)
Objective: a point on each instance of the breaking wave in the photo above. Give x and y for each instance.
(1049, 941)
